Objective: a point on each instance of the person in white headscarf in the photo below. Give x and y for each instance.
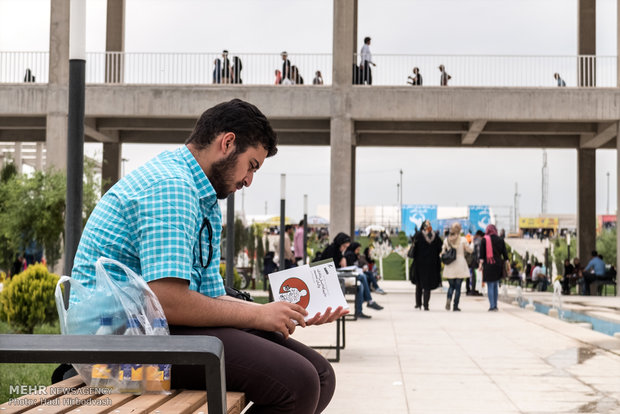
(458, 270)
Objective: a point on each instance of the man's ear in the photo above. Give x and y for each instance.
(227, 143)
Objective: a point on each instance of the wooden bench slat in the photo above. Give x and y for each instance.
(184, 402)
(144, 403)
(64, 403)
(19, 405)
(235, 403)
(109, 403)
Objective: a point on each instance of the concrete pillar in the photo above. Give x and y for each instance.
(115, 41)
(17, 157)
(586, 202)
(586, 42)
(353, 170)
(342, 177)
(111, 165)
(57, 98)
(618, 193)
(344, 35)
(342, 190)
(39, 157)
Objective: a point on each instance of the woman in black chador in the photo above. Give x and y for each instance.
(426, 267)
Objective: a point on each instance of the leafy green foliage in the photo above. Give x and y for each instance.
(32, 208)
(260, 251)
(29, 299)
(606, 246)
(236, 276)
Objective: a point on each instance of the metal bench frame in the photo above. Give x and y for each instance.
(118, 349)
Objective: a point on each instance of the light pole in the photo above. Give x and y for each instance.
(75, 130)
(282, 212)
(607, 192)
(400, 207)
(230, 240)
(305, 256)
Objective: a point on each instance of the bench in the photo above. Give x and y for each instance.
(71, 395)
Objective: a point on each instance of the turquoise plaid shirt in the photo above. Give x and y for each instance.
(150, 221)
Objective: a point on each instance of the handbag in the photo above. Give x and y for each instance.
(505, 269)
(448, 256)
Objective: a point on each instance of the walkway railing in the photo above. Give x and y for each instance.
(259, 69)
(490, 71)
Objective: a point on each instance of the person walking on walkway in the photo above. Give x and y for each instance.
(286, 69)
(492, 260)
(426, 267)
(366, 61)
(443, 80)
(561, 83)
(416, 79)
(456, 271)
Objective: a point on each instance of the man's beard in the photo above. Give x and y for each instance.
(221, 176)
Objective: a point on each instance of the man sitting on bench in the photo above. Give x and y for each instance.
(164, 222)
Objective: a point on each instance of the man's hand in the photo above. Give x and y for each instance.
(327, 317)
(280, 317)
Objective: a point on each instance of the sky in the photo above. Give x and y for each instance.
(446, 177)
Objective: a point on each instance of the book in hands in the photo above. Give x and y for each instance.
(314, 287)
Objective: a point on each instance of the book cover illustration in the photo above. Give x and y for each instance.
(314, 287)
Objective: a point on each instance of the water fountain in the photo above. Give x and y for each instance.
(556, 302)
(530, 305)
(519, 298)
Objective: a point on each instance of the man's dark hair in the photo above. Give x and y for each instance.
(288, 227)
(246, 121)
(480, 233)
(594, 253)
(366, 39)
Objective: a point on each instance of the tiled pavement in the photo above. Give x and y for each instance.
(512, 361)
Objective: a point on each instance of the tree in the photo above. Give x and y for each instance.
(32, 208)
(606, 246)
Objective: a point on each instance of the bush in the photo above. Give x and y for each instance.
(29, 299)
(236, 276)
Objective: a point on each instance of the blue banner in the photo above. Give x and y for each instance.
(479, 217)
(444, 225)
(413, 215)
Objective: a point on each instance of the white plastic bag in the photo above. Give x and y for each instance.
(122, 305)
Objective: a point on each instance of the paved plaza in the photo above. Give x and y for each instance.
(513, 361)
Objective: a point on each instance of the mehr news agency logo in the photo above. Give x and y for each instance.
(66, 396)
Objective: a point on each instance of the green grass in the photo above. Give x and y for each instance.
(25, 374)
(393, 267)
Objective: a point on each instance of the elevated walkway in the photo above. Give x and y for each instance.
(382, 115)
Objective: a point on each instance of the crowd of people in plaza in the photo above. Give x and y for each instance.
(463, 257)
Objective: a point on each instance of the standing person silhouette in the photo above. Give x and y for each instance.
(426, 265)
(366, 61)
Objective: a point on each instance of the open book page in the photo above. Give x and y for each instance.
(315, 288)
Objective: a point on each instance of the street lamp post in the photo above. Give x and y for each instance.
(608, 192)
(75, 130)
(305, 256)
(230, 240)
(282, 212)
(400, 209)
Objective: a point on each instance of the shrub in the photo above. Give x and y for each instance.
(236, 276)
(29, 299)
